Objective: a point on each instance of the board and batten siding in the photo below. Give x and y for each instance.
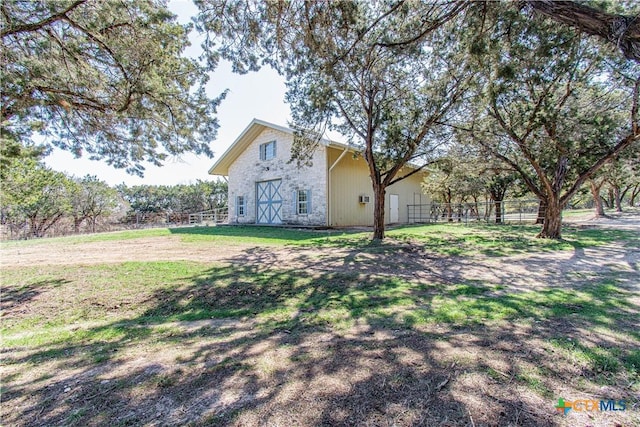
(247, 170)
(350, 179)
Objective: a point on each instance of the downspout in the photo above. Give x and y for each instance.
(329, 184)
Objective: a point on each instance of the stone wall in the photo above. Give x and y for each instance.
(248, 169)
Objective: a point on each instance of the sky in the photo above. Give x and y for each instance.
(256, 95)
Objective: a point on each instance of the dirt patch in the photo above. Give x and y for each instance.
(361, 376)
(525, 271)
(242, 372)
(627, 220)
(164, 248)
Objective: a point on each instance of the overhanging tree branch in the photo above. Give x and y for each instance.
(524, 175)
(624, 143)
(621, 30)
(632, 137)
(459, 7)
(413, 172)
(115, 79)
(24, 28)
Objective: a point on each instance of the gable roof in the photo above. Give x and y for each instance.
(242, 142)
(251, 132)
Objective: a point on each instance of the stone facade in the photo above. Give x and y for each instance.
(247, 170)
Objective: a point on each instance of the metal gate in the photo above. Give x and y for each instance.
(269, 202)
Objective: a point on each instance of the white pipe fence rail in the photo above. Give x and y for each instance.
(212, 216)
(506, 211)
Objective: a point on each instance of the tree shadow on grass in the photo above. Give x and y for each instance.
(450, 239)
(504, 240)
(338, 343)
(13, 296)
(375, 376)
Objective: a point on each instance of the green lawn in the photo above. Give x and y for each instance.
(135, 294)
(446, 239)
(91, 315)
(452, 239)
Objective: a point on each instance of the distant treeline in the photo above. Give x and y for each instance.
(170, 199)
(38, 201)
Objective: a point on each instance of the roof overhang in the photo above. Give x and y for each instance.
(251, 132)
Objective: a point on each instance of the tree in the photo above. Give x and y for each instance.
(12, 148)
(498, 180)
(634, 192)
(621, 30)
(208, 195)
(441, 184)
(36, 194)
(383, 74)
(197, 197)
(623, 174)
(146, 199)
(632, 184)
(217, 193)
(105, 78)
(465, 175)
(176, 199)
(595, 185)
(554, 107)
(90, 200)
(456, 178)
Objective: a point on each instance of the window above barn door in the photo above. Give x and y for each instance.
(268, 150)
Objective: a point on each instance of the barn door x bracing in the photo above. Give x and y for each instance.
(269, 202)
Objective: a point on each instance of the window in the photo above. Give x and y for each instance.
(268, 150)
(303, 202)
(240, 206)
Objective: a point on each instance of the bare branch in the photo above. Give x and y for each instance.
(459, 7)
(25, 28)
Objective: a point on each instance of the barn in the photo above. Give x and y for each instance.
(334, 190)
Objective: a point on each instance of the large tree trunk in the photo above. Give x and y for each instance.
(498, 204)
(33, 227)
(497, 194)
(623, 193)
(448, 198)
(76, 225)
(378, 211)
(552, 227)
(488, 211)
(610, 199)
(597, 200)
(542, 208)
(623, 31)
(635, 191)
(617, 198)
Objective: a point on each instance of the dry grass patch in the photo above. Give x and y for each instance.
(328, 333)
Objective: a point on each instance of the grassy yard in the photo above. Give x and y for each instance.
(438, 325)
(483, 238)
